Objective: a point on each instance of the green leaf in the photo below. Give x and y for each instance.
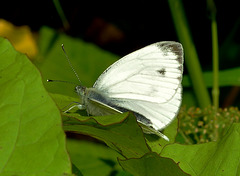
(228, 77)
(156, 144)
(213, 158)
(76, 171)
(120, 132)
(93, 158)
(32, 141)
(151, 164)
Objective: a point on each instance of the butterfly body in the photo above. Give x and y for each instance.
(146, 82)
(99, 104)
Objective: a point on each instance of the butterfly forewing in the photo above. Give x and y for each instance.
(149, 74)
(147, 82)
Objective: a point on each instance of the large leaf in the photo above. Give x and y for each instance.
(123, 134)
(156, 144)
(120, 132)
(152, 165)
(93, 158)
(32, 141)
(213, 158)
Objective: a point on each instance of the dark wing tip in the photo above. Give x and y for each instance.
(174, 47)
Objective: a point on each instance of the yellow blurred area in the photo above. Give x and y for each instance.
(20, 37)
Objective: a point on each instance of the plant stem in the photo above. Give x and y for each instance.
(191, 57)
(215, 89)
(61, 14)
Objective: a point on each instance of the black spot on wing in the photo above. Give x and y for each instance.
(162, 71)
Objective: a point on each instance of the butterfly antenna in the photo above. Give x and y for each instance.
(70, 64)
(50, 80)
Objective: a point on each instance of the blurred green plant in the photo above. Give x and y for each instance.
(61, 14)
(198, 125)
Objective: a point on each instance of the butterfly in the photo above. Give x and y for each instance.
(146, 82)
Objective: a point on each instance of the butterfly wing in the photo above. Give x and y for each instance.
(147, 81)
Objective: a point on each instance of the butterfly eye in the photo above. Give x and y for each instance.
(80, 90)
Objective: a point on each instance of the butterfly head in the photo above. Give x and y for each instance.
(81, 91)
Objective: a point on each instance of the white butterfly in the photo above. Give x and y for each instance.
(146, 82)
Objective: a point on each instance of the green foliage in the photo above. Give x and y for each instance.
(200, 126)
(151, 164)
(228, 77)
(32, 141)
(88, 60)
(213, 158)
(89, 157)
(116, 131)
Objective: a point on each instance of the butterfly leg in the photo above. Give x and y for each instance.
(162, 135)
(70, 108)
(78, 105)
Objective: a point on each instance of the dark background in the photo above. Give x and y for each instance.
(139, 22)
